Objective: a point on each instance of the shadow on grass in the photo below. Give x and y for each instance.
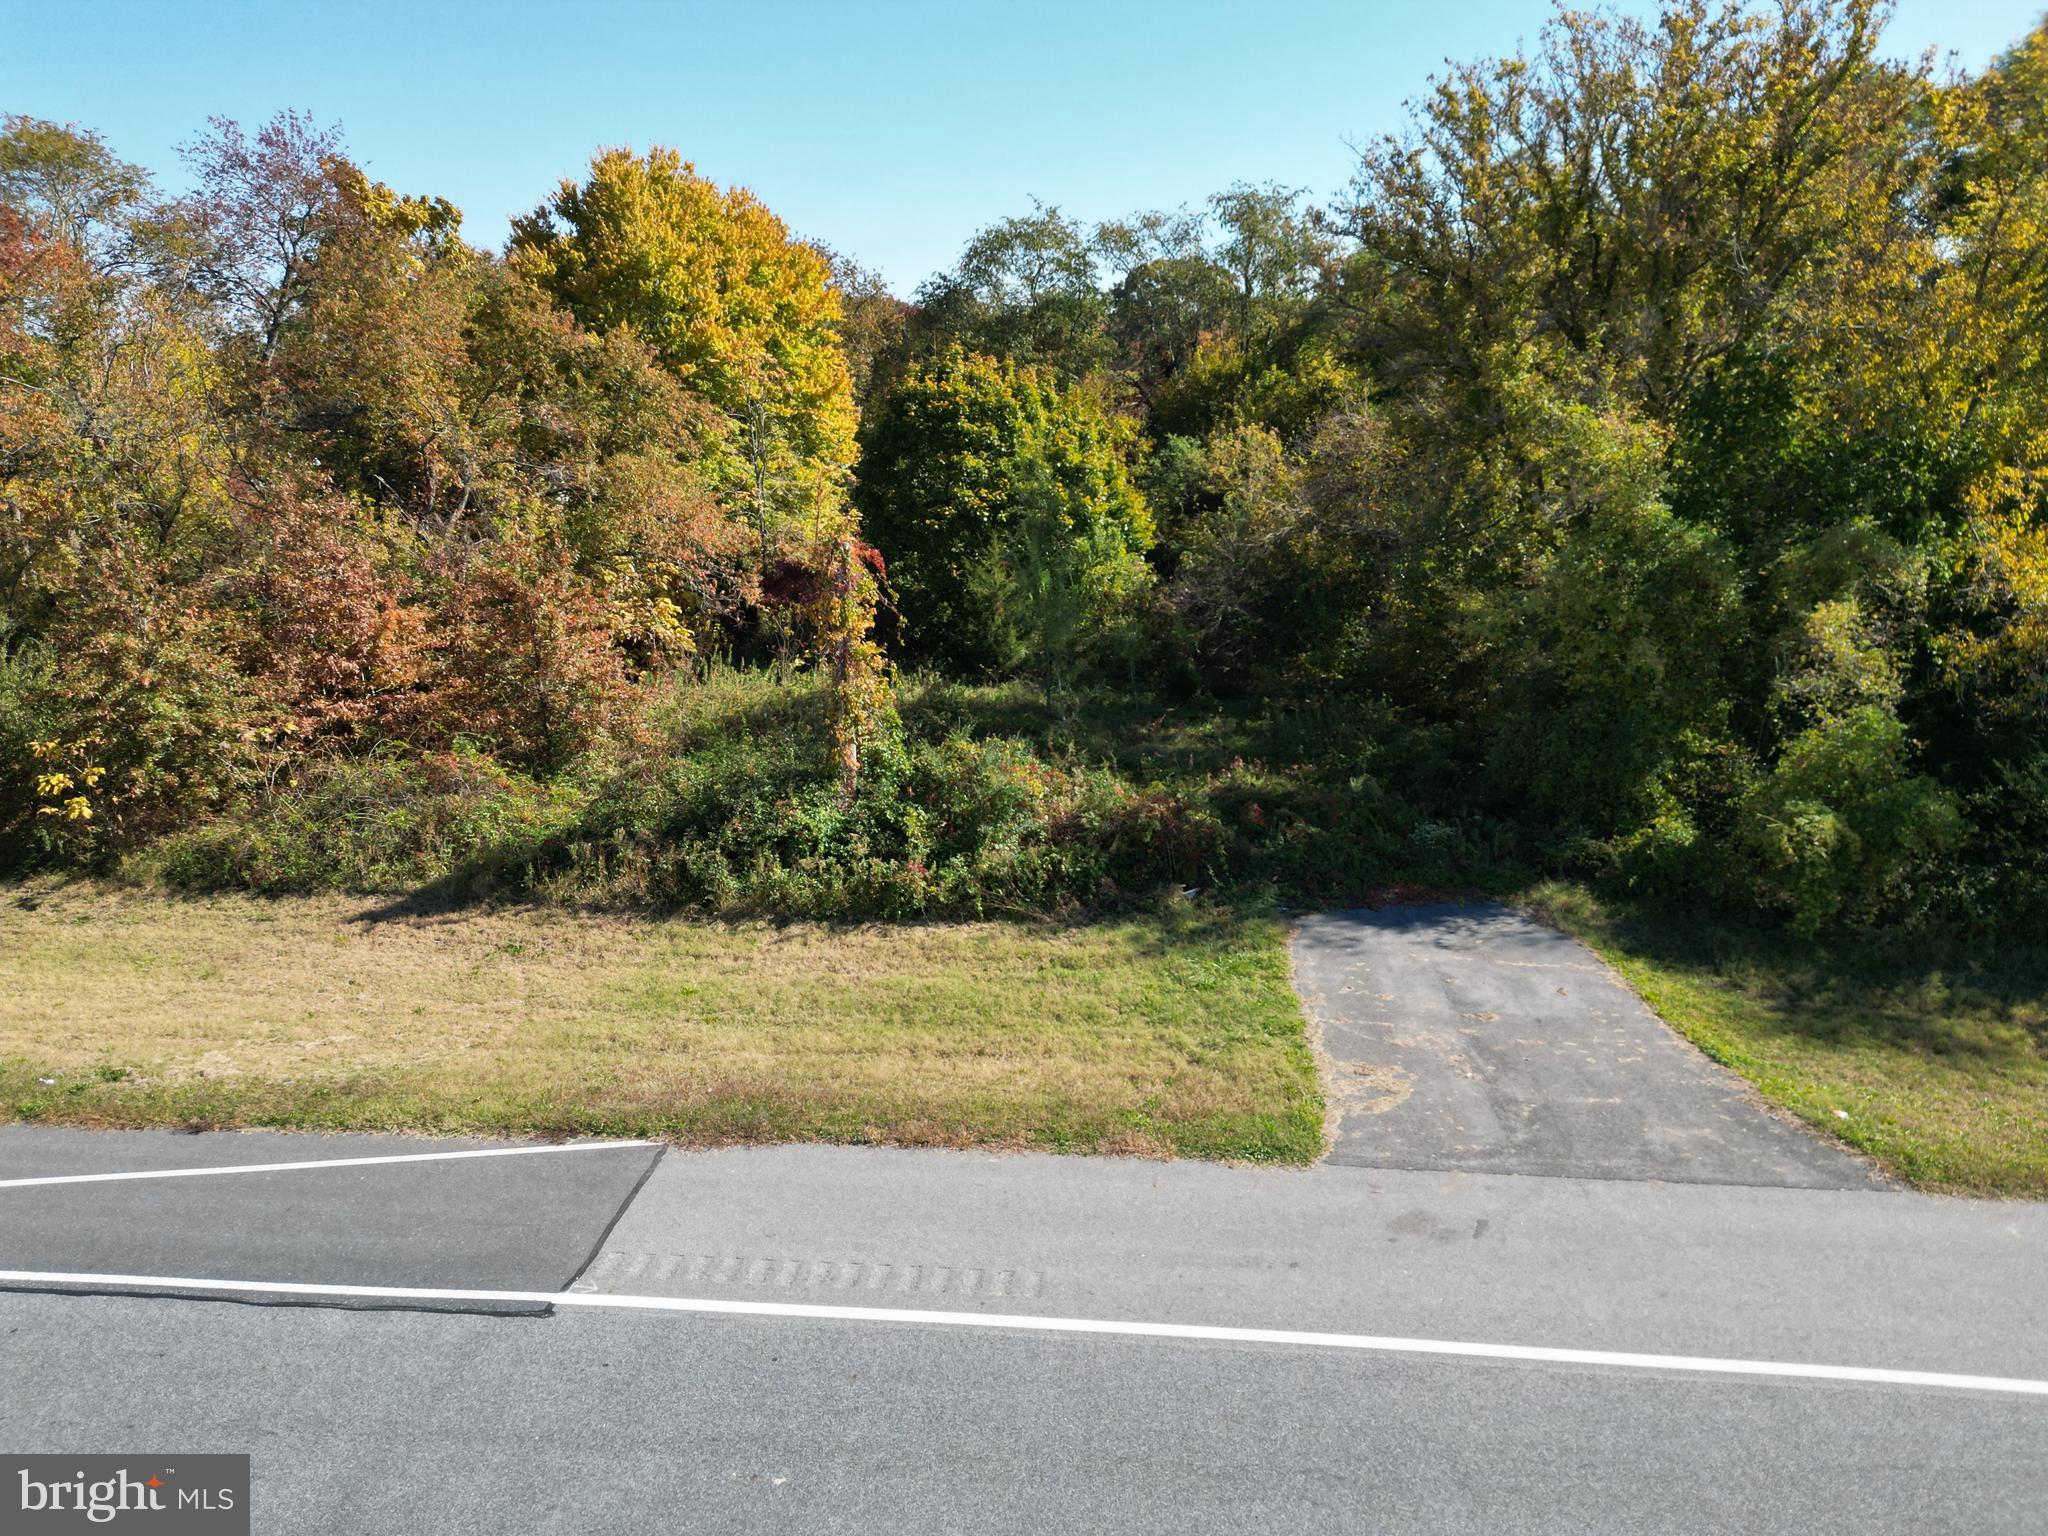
(1934, 996)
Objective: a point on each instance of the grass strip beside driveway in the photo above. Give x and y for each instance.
(1930, 1057)
(1169, 1033)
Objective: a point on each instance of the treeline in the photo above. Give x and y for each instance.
(291, 473)
(1650, 446)
(1642, 462)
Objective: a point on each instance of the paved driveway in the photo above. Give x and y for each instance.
(1466, 1036)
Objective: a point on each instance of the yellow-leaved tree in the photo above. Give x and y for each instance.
(736, 308)
(1995, 191)
(746, 317)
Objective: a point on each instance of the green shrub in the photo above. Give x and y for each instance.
(25, 716)
(123, 724)
(2005, 875)
(1842, 829)
(1608, 654)
(733, 808)
(963, 451)
(382, 823)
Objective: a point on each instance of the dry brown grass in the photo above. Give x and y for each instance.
(1170, 1033)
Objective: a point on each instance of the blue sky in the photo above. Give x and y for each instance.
(888, 130)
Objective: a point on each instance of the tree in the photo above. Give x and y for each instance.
(1604, 687)
(66, 181)
(1993, 195)
(1701, 224)
(947, 464)
(873, 324)
(1274, 252)
(1652, 194)
(1036, 579)
(262, 208)
(1025, 289)
(1238, 565)
(1169, 295)
(745, 316)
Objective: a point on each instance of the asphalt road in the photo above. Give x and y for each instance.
(1562, 1275)
(586, 1422)
(532, 1222)
(596, 1420)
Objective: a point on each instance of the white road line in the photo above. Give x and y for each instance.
(329, 1162)
(1859, 1373)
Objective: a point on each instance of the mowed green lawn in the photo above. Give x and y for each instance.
(1174, 1033)
(1932, 1059)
